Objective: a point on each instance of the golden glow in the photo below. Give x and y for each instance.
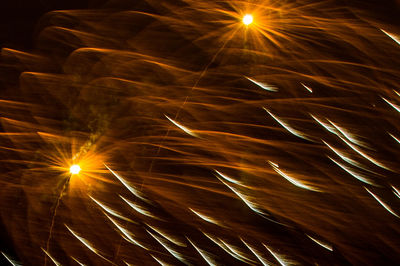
(247, 19)
(75, 169)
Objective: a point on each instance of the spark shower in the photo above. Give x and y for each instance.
(202, 132)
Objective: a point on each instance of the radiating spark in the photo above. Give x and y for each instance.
(134, 191)
(307, 88)
(347, 135)
(293, 180)
(342, 156)
(392, 36)
(398, 93)
(352, 173)
(185, 129)
(254, 251)
(139, 209)
(170, 250)
(227, 178)
(75, 169)
(237, 254)
(274, 164)
(286, 126)
(87, 244)
(247, 19)
(396, 191)
(83, 241)
(218, 242)
(110, 211)
(243, 198)
(325, 125)
(322, 244)
(372, 160)
(159, 261)
(203, 254)
(276, 256)
(382, 203)
(263, 85)
(395, 106)
(396, 139)
(13, 262)
(213, 239)
(125, 233)
(168, 237)
(226, 248)
(204, 217)
(77, 261)
(52, 259)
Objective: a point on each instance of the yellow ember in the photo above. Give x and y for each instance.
(75, 169)
(247, 19)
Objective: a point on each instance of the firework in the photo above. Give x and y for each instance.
(203, 132)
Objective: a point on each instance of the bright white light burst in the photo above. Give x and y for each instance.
(75, 169)
(247, 19)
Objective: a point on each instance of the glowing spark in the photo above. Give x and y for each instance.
(372, 160)
(128, 186)
(75, 169)
(138, 208)
(382, 203)
(168, 237)
(291, 179)
(110, 211)
(52, 259)
(159, 261)
(325, 125)
(82, 240)
(87, 244)
(263, 85)
(125, 233)
(395, 106)
(347, 135)
(204, 217)
(243, 198)
(203, 254)
(185, 129)
(165, 245)
(286, 126)
(218, 242)
(259, 257)
(276, 256)
(77, 261)
(342, 156)
(247, 19)
(352, 173)
(234, 252)
(396, 139)
(322, 244)
(227, 248)
(227, 178)
(307, 88)
(396, 192)
(393, 37)
(14, 263)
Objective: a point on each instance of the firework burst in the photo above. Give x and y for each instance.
(203, 132)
